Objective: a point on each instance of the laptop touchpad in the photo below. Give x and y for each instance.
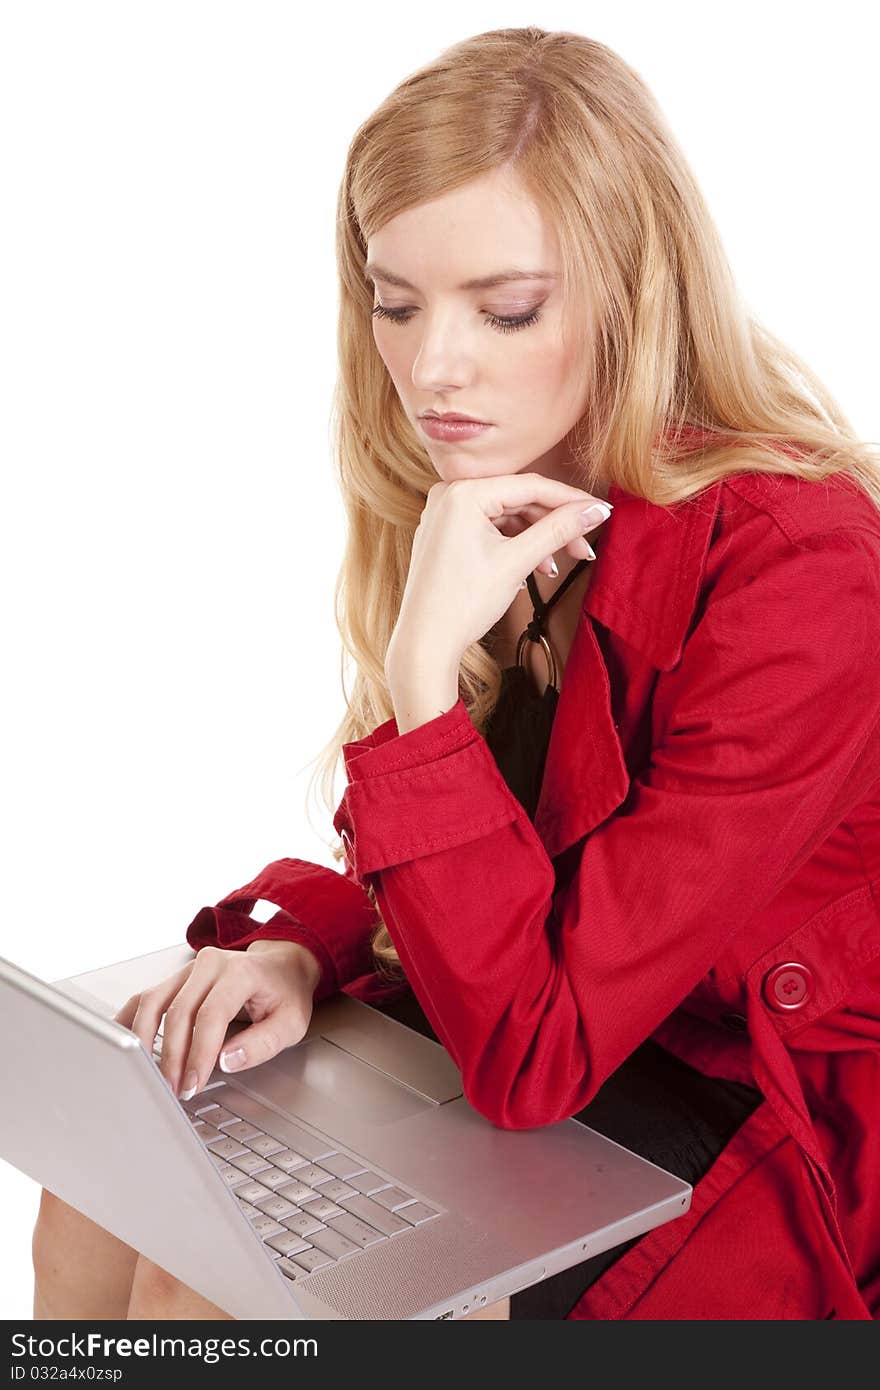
(328, 1087)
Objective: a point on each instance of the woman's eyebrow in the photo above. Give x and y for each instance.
(481, 282)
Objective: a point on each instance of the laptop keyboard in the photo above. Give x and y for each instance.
(311, 1206)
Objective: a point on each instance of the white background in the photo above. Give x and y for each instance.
(170, 528)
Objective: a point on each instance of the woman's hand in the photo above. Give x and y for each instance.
(272, 984)
(464, 574)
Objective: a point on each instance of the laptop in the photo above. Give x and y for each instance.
(348, 1177)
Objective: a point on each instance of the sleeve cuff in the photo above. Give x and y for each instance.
(233, 930)
(415, 793)
(318, 907)
(385, 750)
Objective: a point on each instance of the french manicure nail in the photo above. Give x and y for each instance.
(593, 515)
(191, 1083)
(554, 569)
(232, 1061)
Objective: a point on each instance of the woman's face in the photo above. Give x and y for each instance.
(447, 354)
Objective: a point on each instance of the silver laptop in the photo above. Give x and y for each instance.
(348, 1177)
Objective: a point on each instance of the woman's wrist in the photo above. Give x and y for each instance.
(292, 950)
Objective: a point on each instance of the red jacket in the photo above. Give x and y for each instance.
(703, 869)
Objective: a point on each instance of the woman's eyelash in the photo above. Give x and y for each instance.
(503, 325)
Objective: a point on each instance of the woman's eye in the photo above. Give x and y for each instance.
(503, 325)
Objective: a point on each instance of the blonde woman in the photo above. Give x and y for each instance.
(612, 822)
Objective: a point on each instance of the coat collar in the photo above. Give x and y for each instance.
(647, 581)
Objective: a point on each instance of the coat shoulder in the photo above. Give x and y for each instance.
(820, 538)
(800, 508)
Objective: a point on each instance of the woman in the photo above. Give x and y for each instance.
(612, 825)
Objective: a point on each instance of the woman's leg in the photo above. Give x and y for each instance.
(81, 1271)
(157, 1296)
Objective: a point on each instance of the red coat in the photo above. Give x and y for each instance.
(703, 869)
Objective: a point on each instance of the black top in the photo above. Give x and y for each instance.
(518, 731)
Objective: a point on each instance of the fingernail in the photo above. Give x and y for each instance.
(191, 1083)
(232, 1061)
(591, 554)
(554, 568)
(593, 515)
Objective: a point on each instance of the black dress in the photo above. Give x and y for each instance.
(654, 1104)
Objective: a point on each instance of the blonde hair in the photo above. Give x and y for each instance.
(675, 348)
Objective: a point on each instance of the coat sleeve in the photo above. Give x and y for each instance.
(293, 900)
(764, 734)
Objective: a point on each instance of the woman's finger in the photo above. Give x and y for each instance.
(142, 1012)
(510, 492)
(557, 530)
(197, 1019)
(514, 523)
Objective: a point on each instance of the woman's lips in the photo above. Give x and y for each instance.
(451, 429)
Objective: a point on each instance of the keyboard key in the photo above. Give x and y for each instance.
(287, 1159)
(252, 1192)
(288, 1243)
(251, 1163)
(202, 1105)
(312, 1175)
(322, 1208)
(336, 1189)
(354, 1229)
(297, 1191)
(416, 1213)
(334, 1243)
(230, 1175)
(250, 1212)
(219, 1117)
(227, 1147)
(264, 1144)
(342, 1166)
(241, 1130)
(302, 1223)
(296, 1269)
(274, 1178)
(204, 1098)
(376, 1216)
(207, 1133)
(266, 1226)
(389, 1197)
(279, 1206)
(310, 1260)
(367, 1181)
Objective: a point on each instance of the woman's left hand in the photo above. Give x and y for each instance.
(463, 573)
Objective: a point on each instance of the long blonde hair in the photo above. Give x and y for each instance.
(675, 347)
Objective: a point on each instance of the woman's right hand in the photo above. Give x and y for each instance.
(272, 984)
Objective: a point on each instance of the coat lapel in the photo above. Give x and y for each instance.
(645, 588)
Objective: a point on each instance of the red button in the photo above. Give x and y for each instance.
(789, 986)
